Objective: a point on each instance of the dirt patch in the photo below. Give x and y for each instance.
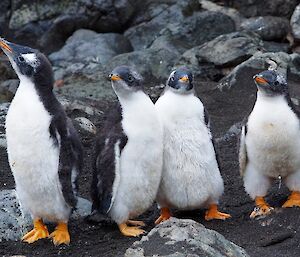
(276, 235)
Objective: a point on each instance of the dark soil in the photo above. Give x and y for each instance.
(276, 235)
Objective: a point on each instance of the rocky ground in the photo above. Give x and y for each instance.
(224, 42)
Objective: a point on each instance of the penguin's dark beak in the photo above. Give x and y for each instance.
(5, 46)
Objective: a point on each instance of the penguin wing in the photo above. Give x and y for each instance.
(70, 156)
(242, 150)
(109, 146)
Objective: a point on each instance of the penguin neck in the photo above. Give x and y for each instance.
(269, 97)
(29, 89)
(132, 97)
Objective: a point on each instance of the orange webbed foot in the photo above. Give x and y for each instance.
(165, 214)
(130, 231)
(293, 200)
(38, 232)
(61, 234)
(261, 209)
(213, 213)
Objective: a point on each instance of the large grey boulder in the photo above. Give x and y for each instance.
(57, 20)
(231, 12)
(183, 33)
(268, 27)
(197, 29)
(224, 51)
(295, 23)
(252, 8)
(180, 238)
(86, 46)
(14, 223)
(142, 35)
(288, 65)
(154, 62)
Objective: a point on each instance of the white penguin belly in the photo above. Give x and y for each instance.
(273, 138)
(33, 157)
(191, 178)
(140, 161)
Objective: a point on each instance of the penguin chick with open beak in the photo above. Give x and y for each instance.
(270, 142)
(128, 156)
(44, 150)
(191, 177)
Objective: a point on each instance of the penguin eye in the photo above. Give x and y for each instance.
(130, 78)
(21, 59)
(172, 78)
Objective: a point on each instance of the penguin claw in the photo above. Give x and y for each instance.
(130, 231)
(213, 213)
(60, 235)
(40, 231)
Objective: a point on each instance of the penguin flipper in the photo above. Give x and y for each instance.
(70, 157)
(243, 159)
(109, 146)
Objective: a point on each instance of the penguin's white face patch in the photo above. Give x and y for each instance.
(31, 59)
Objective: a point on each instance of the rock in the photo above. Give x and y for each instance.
(8, 89)
(231, 12)
(57, 20)
(252, 8)
(243, 73)
(83, 208)
(268, 27)
(14, 224)
(184, 238)
(86, 46)
(151, 63)
(223, 51)
(77, 105)
(295, 23)
(142, 35)
(3, 112)
(182, 33)
(197, 29)
(86, 125)
(270, 46)
(6, 71)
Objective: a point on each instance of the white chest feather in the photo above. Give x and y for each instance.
(140, 162)
(273, 139)
(32, 155)
(190, 176)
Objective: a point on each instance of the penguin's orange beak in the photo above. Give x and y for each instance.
(184, 79)
(114, 77)
(260, 80)
(5, 46)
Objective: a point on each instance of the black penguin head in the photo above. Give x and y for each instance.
(29, 63)
(125, 80)
(181, 80)
(270, 82)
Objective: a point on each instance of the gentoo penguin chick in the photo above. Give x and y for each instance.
(128, 157)
(44, 150)
(270, 142)
(191, 177)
